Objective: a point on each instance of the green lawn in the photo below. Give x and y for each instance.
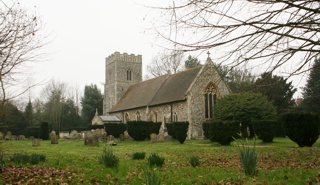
(70, 162)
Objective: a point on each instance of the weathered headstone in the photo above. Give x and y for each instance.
(122, 138)
(168, 138)
(160, 138)
(21, 137)
(153, 138)
(54, 138)
(8, 136)
(91, 139)
(36, 142)
(74, 134)
(110, 138)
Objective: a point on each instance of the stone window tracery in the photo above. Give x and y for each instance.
(210, 98)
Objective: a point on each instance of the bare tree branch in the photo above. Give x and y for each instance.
(271, 33)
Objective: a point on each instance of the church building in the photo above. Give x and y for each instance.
(188, 95)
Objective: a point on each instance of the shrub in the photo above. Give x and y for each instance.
(137, 130)
(151, 179)
(138, 155)
(170, 130)
(301, 128)
(36, 158)
(108, 159)
(206, 129)
(20, 159)
(180, 131)
(44, 131)
(194, 161)
(153, 127)
(265, 129)
(155, 160)
(224, 132)
(115, 129)
(248, 157)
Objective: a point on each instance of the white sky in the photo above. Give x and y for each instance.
(84, 33)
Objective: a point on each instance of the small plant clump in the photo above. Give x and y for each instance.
(22, 159)
(36, 158)
(248, 157)
(108, 159)
(194, 161)
(138, 155)
(155, 160)
(151, 179)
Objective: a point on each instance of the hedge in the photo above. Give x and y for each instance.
(302, 128)
(265, 129)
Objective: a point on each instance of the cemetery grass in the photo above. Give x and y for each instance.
(71, 162)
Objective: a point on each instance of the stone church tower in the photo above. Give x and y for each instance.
(122, 71)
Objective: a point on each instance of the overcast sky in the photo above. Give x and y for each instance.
(83, 33)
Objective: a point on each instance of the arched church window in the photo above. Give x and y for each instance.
(129, 75)
(126, 117)
(210, 98)
(138, 116)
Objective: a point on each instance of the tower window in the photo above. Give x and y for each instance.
(210, 99)
(129, 75)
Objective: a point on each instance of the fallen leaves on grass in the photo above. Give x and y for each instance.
(36, 175)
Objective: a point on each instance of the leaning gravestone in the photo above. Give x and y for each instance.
(36, 142)
(91, 139)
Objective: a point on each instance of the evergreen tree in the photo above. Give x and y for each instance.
(91, 101)
(70, 117)
(191, 62)
(28, 114)
(311, 92)
(13, 119)
(277, 90)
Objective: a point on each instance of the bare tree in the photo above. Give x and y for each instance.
(166, 63)
(279, 35)
(20, 44)
(54, 96)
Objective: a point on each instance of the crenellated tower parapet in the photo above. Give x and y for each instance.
(125, 57)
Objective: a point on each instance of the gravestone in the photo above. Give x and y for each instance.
(36, 142)
(90, 139)
(54, 138)
(74, 135)
(21, 137)
(8, 136)
(160, 138)
(168, 138)
(153, 138)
